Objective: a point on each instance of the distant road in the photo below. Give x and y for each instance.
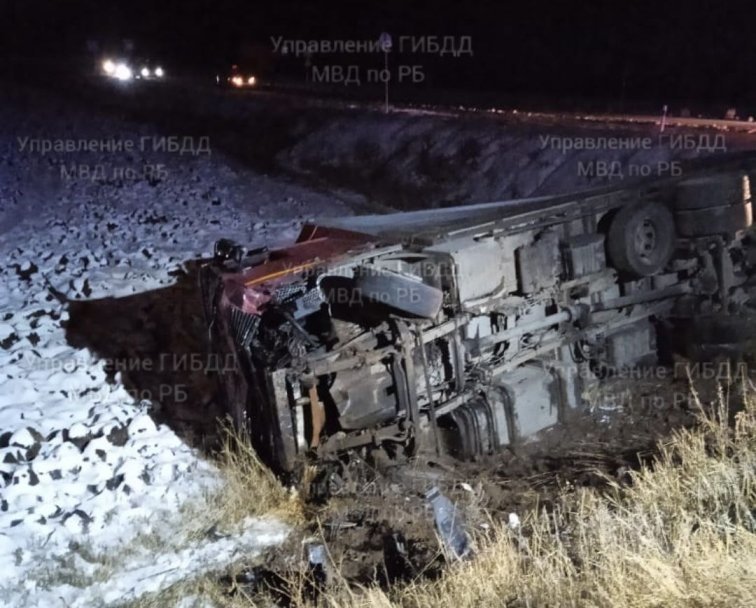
(342, 99)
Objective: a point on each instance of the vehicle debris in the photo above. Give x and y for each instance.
(449, 524)
(318, 560)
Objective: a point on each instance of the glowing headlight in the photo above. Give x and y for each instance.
(159, 72)
(251, 80)
(123, 72)
(108, 67)
(237, 81)
(145, 72)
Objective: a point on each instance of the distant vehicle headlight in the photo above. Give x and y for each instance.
(159, 72)
(237, 81)
(108, 67)
(251, 80)
(145, 72)
(123, 72)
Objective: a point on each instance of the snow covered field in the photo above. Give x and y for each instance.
(94, 495)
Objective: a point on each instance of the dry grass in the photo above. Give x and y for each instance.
(249, 488)
(682, 534)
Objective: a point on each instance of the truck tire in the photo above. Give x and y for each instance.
(724, 219)
(711, 205)
(705, 192)
(641, 238)
(400, 292)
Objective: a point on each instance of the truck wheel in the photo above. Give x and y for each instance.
(705, 192)
(400, 292)
(724, 219)
(641, 238)
(713, 205)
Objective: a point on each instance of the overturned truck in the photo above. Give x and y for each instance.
(465, 330)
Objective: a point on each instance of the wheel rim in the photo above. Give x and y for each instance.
(645, 240)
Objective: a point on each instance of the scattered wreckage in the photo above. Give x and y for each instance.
(464, 330)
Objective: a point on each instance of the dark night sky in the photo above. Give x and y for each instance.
(702, 50)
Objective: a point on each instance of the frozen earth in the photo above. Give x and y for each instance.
(85, 470)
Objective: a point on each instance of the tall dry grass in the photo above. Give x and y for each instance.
(249, 488)
(683, 534)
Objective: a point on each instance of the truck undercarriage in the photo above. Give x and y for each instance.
(462, 331)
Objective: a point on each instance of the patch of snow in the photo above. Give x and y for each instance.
(150, 571)
(82, 463)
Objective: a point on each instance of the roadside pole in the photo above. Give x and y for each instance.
(663, 119)
(385, 84)
(384, 40)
